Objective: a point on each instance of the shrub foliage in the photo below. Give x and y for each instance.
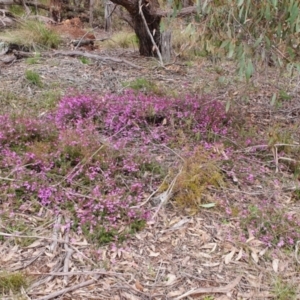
(253, 32)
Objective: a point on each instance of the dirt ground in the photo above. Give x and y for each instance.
(177, 256)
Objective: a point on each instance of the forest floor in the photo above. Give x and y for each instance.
(243, 243)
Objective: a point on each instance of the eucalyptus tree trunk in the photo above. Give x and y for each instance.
(149, 8)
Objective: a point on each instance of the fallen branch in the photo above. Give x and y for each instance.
(95, 56)
(29, 263)
(81, 273)
(83, 255)
(86, 42)
(69, 289)
(32, 236)
(21, 54)
(82, 42)
(222, 289)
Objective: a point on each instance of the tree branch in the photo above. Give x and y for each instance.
(180, 13)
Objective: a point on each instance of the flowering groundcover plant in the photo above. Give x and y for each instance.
(94, 158)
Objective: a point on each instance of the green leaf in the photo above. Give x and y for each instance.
(240, 2)
(258, 41)
(294, 14)
(274, 97)
(297, 29)
(208, 205)
(228, 103)
(267, 41)
(249, 70)
(204, 6)
(231, 50)
(268, 12)
(225, 44)
(241, 14)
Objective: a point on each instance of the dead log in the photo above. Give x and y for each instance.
(83, 42)
(7, 59)
(93, 56)
(7, 19)
(22, 54)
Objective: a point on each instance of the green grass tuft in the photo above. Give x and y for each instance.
(33, 60)
(121, 39)
(144, 85)
(34, 35)
(84, 60)
(283, 290)
(33, 77)
(12, 281)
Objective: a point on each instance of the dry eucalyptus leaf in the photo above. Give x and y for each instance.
(154, 254)
(138, 286)
(35, 244)
(176, 293)
(254, 256)
(275, 265)
(229, 256)
(171, 278)
(240, 255)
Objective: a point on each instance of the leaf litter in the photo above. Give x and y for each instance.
(177, 255)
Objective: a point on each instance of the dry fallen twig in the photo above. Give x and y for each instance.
(152, 194)
(297, 252)
(165, 196)
(30, 262)
(223, 289)
(56, 227)
(69, 253)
